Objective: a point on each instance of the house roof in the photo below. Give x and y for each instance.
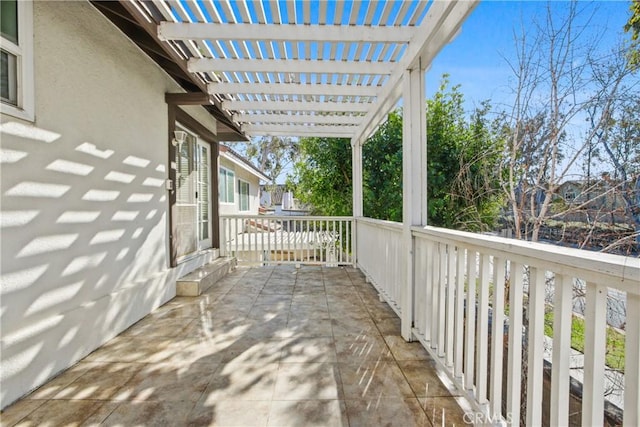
(241, 161)
(299, 68)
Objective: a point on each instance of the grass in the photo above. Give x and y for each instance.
(614, 357)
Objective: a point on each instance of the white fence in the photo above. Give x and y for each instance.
(268, 239)
(479, 308)
(381, 257)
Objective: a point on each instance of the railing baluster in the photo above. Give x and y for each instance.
(341, 250)
(595, 318)
(450, 289)
(279, 242)
(483, 330)
(263, 231)
(470, 328)
(237, 236)
(350, 227)
(233, 244)
(420, 303)
(497, 339)
(442, 289)
(435, 297)
(631, 415)
(250, 237)
(244, 243)
(272, 227)
(289, 239)
(459, 315)
(514, 370)
(222, 233)
(310, 250)
(428, 335)
(562, 315)
(535, 349)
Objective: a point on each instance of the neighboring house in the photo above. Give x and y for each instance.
(101, 211)
(277, 199)
(239, 184)
(594, 194)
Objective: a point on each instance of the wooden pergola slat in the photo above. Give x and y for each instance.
(280, 58)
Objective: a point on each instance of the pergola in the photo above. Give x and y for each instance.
(304, 68)
(308, 68)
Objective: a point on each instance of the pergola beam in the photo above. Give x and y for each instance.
(300, 130)
(190, 98)
(297, 119)
(279, 32)
(292, 89)
(442, 22)
(296, 106)
(197, 65)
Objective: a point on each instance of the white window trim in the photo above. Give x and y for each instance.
(24, 58)
(222, 168)
(240, 196)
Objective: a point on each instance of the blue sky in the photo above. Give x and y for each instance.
(475, 59)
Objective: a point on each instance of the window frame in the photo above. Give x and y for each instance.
(240, 195)
(23, 51)
(228, 174)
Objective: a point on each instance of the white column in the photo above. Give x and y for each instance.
(414, 180)
(356, 179)
(356, 166)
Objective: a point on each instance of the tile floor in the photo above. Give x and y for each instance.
(268, 346)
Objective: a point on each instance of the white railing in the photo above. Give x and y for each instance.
(269, 239)
(381, 257)
(479, 306)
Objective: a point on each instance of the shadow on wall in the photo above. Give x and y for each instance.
(82, 226)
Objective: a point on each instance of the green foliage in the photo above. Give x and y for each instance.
(324, 175)
(463, 166)
(633, 27)
(271, 154)
(463, 157)
(382, 176)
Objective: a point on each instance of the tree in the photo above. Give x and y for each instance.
(620, 143)
(555, 87)
(463, 162)
(272, 154)
(324, 175)
(382, 175)
(463, 168)
(633, 27)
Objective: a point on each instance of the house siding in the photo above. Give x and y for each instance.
(254, 191)
(85, 240)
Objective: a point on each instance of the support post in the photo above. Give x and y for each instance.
(414, 181)
(357, 194)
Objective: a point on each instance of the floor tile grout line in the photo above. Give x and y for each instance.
(404, 376)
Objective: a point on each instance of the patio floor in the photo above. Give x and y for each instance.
(266, 346)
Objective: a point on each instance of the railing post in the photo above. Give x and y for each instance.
(414, 182)
(595, 331)
(631, 415)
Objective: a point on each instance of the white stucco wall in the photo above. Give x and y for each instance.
(254, 190)
(84, 248)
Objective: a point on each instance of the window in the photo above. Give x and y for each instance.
(225, 185)
(243, 190)
(16, 59)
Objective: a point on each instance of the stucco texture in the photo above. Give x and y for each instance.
(84, 206)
